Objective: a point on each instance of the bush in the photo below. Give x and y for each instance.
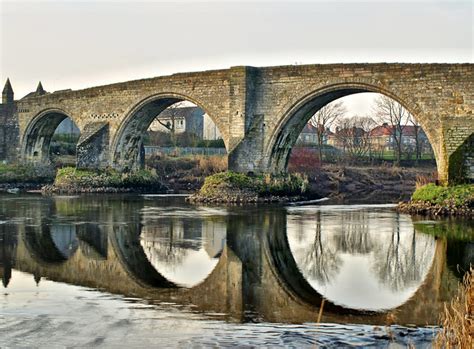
(303, 159)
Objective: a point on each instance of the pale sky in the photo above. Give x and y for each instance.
(78, 44)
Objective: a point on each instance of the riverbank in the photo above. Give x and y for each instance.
(374, 184)
(71, 180)
(433, 200)
(19, 177)
(232, 187)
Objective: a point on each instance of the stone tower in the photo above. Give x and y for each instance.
(7, 93)
(9, 131)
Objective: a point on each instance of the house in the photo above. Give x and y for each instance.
(382, 138)
(309, 135)
(186, 119)
(342, 137)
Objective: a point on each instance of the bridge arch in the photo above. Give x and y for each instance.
(39, 133)
(297, 113)
(126, 144)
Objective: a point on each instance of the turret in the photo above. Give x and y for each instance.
(7, 275)
(37, 278)
(39, 90)
(7, 94)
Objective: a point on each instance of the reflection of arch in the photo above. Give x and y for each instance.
(126, 145)
(291, 279)
(126, 243)
(295, 116)
(92, 241)
(40, 245)
(38, 134)
(287, 272)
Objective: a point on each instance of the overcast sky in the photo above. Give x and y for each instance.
(77, 44)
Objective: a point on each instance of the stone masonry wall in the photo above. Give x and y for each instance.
(9, 133)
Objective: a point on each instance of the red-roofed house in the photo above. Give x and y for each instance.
(382, 137)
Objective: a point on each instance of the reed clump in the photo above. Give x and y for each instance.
(458, 318)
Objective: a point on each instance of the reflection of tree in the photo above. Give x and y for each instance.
(354, 237)
(318, 261)
(402, 262)
(399, 257)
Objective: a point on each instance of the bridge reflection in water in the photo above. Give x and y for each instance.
(271, 264)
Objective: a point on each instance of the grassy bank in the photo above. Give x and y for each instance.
(13, 174)
(72, 180)
(238, 187)
(459, 195)
(439, 200)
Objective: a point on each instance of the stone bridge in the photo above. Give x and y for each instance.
(259, 112)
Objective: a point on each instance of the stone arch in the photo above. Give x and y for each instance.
(294, 116)
(127, 140)
(39, 132)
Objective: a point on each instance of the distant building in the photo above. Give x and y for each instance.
(210, 130)
(382, 138)
(344, 136)
(186, 119)
(309, 135)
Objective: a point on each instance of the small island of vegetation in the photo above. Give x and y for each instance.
(435, 200)
(232, 187)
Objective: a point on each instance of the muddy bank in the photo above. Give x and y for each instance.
(367, 184)
(340, 183)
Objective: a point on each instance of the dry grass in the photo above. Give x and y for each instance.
(211, 164)
(458, 318)
(423, 179)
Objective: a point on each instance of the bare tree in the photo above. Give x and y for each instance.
(354, 135)
(396, 116)
(173, 112)
(417, 132)
(324, 118)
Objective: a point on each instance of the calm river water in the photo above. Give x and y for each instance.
(153, 271)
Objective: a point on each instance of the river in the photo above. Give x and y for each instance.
(153, 271)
